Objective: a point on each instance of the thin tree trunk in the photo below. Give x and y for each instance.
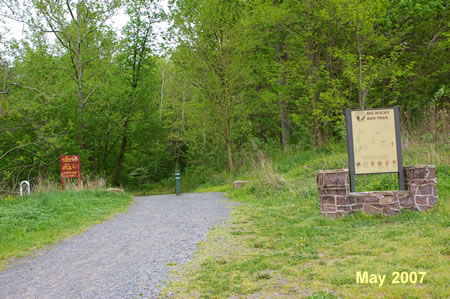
(314, 76)
(284, 113)
(180, 131)
(178, 151)
(284, 121)
(182, 108)
(162, 96)
(230, 158)
(79, 66)
(227, 133)
(123, 147)
(361, 93)
(318, 134)
(106, 147)
(80, 114)
(105, 152)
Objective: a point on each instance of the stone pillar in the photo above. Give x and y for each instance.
(336, 200)
(333, 187)
(421, 182)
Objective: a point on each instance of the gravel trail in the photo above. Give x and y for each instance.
(125, 257)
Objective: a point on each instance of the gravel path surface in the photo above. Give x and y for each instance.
(125, 257)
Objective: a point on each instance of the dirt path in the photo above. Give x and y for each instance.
(125, 257)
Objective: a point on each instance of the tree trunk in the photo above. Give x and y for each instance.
(284, 121)
(317, 141)
(79, 67)
(180, 130)
(230, 158)
(80, 133)
(284, 112)
(226, 133)
(162, 95)
(123, 147)
(362, 93)
(314, 77)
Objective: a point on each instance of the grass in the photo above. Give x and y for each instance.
(219, 188)
(168, 187)
(277, 244)
(33, 222)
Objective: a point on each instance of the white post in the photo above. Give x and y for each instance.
(21, 187)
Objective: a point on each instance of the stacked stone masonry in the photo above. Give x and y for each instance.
(335, 198)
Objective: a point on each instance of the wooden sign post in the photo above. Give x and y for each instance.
(374, 145)
(70, 168)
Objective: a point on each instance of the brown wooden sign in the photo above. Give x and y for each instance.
(70, 168)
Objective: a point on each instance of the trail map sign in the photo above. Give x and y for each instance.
(70, 168)
(374, 146)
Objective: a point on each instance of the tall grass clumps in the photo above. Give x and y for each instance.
(39, 184)
(262, 166)
(87, 183)
(35, 221)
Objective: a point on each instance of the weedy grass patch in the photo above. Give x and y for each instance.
(35, 221)
(220, 188)
(276, 243)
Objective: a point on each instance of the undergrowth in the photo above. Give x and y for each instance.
(277, 244)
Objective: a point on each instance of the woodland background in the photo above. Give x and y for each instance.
(234, 75)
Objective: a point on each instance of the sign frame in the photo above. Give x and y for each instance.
(351, 153)
(74, 170)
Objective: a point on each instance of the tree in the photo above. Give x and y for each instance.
(267, 26)
(36, 118)
(209, 51)
(139, 36)
(77, 27)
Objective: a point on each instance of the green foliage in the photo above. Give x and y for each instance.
(236, 73)
(303, 63)
(35, 221)
(61, 100)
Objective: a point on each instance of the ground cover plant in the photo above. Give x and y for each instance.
(277, 243)
(32, 222)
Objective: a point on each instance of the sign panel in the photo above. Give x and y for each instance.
(374, 141)
(70, 166)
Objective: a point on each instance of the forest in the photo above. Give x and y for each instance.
(226, 77)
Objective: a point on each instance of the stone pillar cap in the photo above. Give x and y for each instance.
(419, 166)
(387, 193)
(332, 171)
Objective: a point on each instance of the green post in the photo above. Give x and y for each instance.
(177, 182)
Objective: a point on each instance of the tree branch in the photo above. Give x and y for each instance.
(32, 89)
(55, 32)
(14, 148)
(85, 100)
(5, 91)
(71, 12)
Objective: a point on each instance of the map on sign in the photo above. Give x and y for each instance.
(374, 141)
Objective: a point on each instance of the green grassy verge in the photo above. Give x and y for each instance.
(35, 221)
(277, 244)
